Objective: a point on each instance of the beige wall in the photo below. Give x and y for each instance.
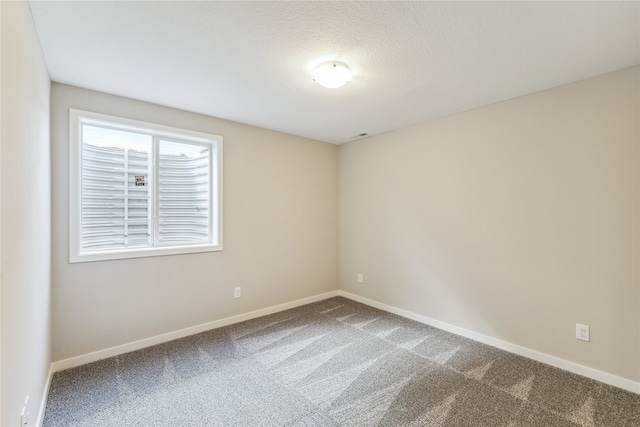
(25, 215)
(515, 221)
(280, 236)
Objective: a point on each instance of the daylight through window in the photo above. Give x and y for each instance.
(142, 189)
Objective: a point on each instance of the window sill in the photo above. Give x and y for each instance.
(142, 253)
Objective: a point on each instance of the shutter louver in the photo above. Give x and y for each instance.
(184, 189)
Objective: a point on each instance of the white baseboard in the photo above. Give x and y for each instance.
(45, 396)
(557, 362)
(158, 339)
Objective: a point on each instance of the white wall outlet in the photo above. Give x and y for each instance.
(24, 414)
(582, 332)
(237, 292)
(360, 278)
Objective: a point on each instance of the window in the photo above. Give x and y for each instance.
(139, 189)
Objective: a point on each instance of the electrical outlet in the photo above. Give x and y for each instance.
(582, 332)
(237, 292)
(360, 278)
(24, 414)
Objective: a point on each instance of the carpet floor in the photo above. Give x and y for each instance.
(331, 363)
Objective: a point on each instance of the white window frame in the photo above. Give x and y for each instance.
(75, 188)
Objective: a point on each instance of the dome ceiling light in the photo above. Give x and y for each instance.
(332, 74)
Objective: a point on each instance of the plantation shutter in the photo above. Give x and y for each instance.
(184, 193)
(115, 191)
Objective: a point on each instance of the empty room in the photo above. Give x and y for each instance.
(325, 213)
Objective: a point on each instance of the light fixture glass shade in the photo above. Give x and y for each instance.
(332, 74)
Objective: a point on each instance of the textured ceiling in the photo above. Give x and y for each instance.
(251, 62)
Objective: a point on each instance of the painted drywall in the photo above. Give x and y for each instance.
(280, 236)
(25, 216)
(516, 221)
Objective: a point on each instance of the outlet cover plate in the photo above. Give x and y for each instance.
(582, 332)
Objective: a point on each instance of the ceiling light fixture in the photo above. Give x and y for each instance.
(332, 74)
